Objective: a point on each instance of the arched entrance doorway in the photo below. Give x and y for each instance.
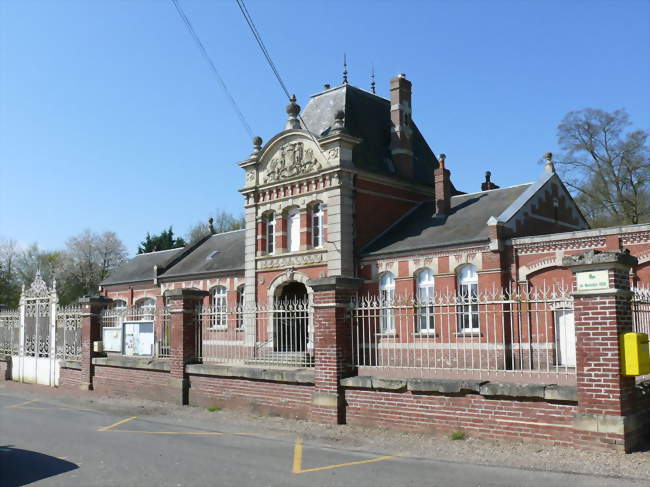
(291, 323)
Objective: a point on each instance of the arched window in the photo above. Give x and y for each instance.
(387, 295)
(219, 306)
(293, 230)
(240, 306)
(144, 309)
(425, 300)
(119, 305)
(467, 279)
(269, 227)
(317, 226)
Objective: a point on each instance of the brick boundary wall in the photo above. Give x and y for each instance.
(522, 419)
(260, 397)
(70, 378)
(131, 382)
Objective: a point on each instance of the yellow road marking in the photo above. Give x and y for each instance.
(297, 461)
(21, 404)
(122, 421)
(297, 457)
(216, 433)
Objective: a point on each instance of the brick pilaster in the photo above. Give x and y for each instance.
(607, 401)
(332, 345)
(90, 333)
(182, 305)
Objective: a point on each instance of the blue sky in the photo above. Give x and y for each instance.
(111, 120)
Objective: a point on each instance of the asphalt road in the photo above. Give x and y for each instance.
(52, 443)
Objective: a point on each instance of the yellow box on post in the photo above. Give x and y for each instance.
(636, 355)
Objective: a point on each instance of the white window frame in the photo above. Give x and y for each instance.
(425, 288)
(219, 307)
(269, 228)
(317, 226)
(387, 300)
(468, 312)
(241, 292)
(144, 309)
(293, 230)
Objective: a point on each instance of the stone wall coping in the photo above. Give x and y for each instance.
(146, 363)
(550, 392)
(70, 364)
(299, 376)
(94, 300)
(334, 282)
(185, 293)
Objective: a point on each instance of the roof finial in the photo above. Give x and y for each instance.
(372, 81)
(293, 109)
(549, 166)
(345, 70)
(211, 226)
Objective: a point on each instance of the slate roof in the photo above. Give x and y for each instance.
(220, 252)
(217, 253)
(140, 267)
(367, 116)
(466, 222)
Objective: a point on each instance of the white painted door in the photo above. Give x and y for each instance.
(294, 230)
(565, 337)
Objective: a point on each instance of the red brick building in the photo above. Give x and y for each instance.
(351, 188)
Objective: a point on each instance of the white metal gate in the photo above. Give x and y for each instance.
(36, 361)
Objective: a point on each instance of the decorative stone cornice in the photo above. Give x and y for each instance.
(291, 260)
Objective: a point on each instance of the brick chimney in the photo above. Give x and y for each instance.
(402, 131)
(442, 187)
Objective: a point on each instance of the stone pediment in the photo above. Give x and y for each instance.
(291, 158)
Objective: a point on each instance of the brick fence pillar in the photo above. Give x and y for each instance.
(332, 345)
(182, 304)
(91, 331)
(607, 400)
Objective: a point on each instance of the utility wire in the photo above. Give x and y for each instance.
(214, 69)
(269, 60)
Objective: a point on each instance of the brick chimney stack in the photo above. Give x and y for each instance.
(402, 132)
(442, 187)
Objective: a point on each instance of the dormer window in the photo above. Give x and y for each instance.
(269, 225)
(317, 226)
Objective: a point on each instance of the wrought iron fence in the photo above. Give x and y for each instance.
(68, 332)
(281, 334)
(137, 331)
(9, 331)
(529, 333)
(641, 309)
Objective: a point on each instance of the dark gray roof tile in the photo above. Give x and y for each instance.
(466, 222)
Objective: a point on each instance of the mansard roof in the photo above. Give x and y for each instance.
(367, 116)
(466, 222)
(222, 252)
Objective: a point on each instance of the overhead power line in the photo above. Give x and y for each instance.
(269, 60)
(212, 66)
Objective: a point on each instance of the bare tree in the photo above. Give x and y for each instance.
(9, 281)
(222, 221)
(90, 258)
(606, 166)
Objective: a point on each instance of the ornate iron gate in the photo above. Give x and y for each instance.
(35, 361)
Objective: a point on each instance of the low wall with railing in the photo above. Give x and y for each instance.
(524, 334)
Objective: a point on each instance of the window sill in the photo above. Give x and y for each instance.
(426, 334)
(388, 334)
(468, 334)
(218, 328)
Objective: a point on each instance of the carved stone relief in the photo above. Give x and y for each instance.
(292, 159)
